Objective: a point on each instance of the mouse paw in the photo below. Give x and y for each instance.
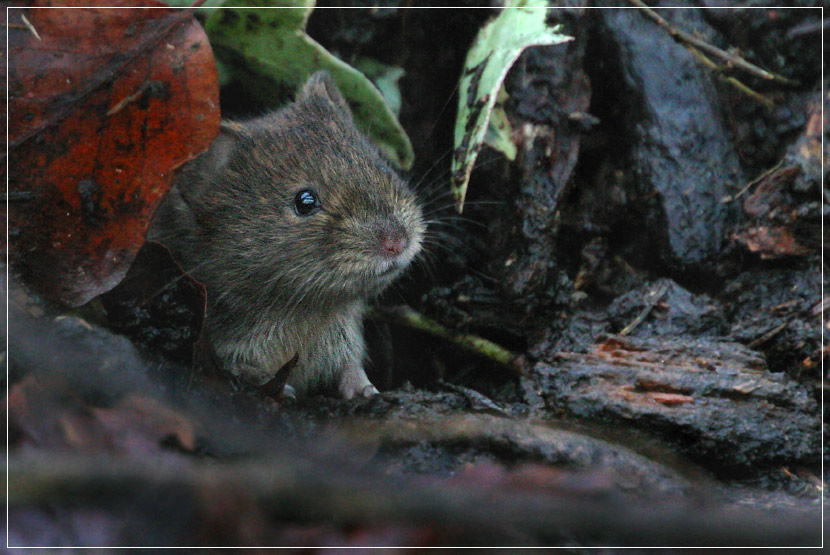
(369, 391)
(289, 392)
(356, 384)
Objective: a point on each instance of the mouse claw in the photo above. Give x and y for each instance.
(354, 383)
(369, 391)
(289, 392)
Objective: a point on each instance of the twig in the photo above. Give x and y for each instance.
(736, 196)
(130, 98)
(276, 386)
(761, 99)
(768, 335)
(702, 58)
(30, 27)
(808, 28)
(652, 298)
(18, 196)
(408, 317)
(688, 40)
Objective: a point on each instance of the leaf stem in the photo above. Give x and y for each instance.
(406, 316)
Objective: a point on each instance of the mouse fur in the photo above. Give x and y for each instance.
(282, 282)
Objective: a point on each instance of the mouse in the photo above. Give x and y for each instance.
(294, 222)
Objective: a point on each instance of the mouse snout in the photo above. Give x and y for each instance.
(392, 240)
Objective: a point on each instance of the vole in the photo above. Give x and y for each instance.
(293, 222)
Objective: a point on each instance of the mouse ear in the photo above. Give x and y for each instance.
(193, 194)
(217, 156)
(321, 88)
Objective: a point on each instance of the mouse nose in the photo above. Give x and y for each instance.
(393, 245)
(392, 240)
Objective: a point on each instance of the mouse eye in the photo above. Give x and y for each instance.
(306, 202)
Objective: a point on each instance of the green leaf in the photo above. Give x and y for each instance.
(385, 78)
(519, 25)
(269, 51)
(499, 134)
(188, 3)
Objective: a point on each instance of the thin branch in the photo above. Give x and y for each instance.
(30, 27)
(690, 41)
(410, 318)
(768, 335)
(739, 194)
(652, 298)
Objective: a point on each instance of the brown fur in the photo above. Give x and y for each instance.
(279, 283)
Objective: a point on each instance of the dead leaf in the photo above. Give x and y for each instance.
(36, 406)
(770, 241)
(139, 423)
(104, 104)
(48, 412)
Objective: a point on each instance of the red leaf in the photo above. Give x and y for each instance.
(103, 105)
(770, 241)
(137, 424)
(49, 412)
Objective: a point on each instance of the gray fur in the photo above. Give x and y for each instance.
(280, 284)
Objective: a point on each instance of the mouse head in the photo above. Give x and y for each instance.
(299, 205)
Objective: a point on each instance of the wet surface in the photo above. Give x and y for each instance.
(665, 305)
